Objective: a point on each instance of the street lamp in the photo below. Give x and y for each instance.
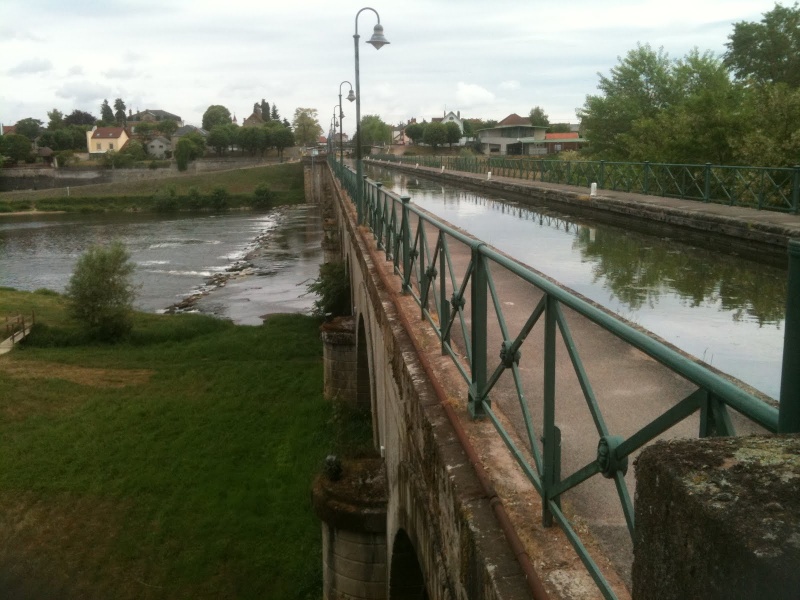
(378, 41)
(350, 96)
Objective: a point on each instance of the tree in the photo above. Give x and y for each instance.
(769, 51)
(16, 147)
(135, 150)
(538, 117)
(55, 119)
(435, 134)
(167, 127)
(79, 117)
(453, 133)
(216, 114)
(146, 130)
(560, 128)
(773, 112)
(265, 110)
(119, 112)
(374, 131)
(306, 127)
(29, 127)
(101, 293)
(280, 136)
(274, 116)
(638, 88)
(415, 131)
(188, 148)
(219, 138)
(248, 139)
(106, 114)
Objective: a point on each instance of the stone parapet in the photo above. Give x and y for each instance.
(718, 518)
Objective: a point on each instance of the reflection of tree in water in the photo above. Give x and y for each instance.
(639, 269)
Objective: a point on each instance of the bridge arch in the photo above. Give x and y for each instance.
(406, 580)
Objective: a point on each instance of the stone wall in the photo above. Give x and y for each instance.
(718, 518)
(435, 500)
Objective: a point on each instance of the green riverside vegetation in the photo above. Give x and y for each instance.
(215, 190)
(176, 464)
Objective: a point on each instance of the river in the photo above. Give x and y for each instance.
(237, 265)
(724, 309)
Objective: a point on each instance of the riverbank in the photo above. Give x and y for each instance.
(176, 464)
(276, 184)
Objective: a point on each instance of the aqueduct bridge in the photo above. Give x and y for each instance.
(507, 410)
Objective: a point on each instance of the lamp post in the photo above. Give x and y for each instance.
(378, 41)
(332, 145)
(350, 96)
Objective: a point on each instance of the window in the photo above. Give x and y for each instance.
(99, 146)
(110, 145)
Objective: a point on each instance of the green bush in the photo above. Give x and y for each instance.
(219, 198)
(333, 290)
(100, 292)
(194, 200)
(263, 196)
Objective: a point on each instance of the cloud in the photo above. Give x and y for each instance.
(76, 70)
(31, 66)
(511, 84)
(83, 92)
(470, 94)
(119, 73)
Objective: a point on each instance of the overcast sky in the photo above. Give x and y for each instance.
(486, 58)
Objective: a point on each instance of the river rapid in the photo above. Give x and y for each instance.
(237, 265)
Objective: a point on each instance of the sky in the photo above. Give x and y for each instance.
(485, 59)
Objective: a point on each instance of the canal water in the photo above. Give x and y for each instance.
(723, 309)
(238, 265)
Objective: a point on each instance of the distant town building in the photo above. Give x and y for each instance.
(158, 147)
(103, 139)
(154, 115)
(513, 135)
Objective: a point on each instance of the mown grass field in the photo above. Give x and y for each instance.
(285, 180)
(174, 465)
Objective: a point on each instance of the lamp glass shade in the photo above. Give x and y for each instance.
(377, 38)
(351, 96)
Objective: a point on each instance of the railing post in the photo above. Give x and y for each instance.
(789, 411)
(646, 177)
(361, 193)
(405, 229)
(707, 183)
(796, 189)
(373, 209)
(602, 178)
(479, 304)
(444, 319)
(551, 442)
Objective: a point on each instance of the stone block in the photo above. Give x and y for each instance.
(718, 518)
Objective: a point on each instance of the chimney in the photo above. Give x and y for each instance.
(458, 114)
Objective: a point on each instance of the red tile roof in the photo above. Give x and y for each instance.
(9, 129)
(561, 136)
(514, 119)
(107, 133)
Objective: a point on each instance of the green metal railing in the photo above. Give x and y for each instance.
(766, 188)
(462, 306)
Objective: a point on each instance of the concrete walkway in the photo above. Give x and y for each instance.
(762, 229)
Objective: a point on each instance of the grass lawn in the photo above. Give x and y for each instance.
(175, 465)
(285, 180)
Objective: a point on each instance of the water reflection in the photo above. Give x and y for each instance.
(724, 309)
(640, 272)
